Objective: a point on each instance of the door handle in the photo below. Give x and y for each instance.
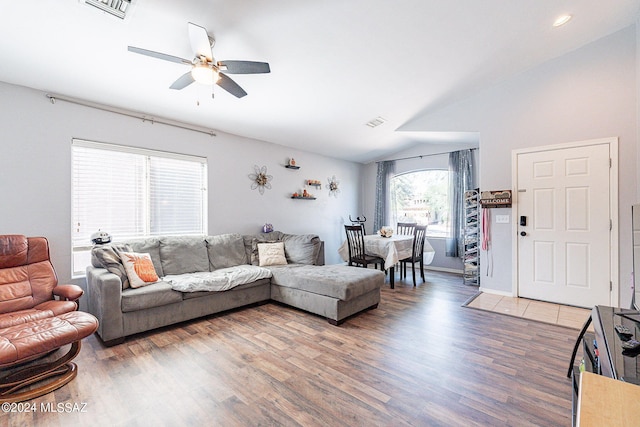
(523, 233)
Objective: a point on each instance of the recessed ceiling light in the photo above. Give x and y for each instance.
(562, 20)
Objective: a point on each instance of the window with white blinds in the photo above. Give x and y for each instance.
(130, 192)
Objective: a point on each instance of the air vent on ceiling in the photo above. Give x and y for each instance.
(117, 8)
(376, 122)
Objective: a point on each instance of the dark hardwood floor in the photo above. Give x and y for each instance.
(420, 359)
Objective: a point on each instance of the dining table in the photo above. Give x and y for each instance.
(390, 249)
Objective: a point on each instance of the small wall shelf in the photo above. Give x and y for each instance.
(303, 198)
(313, 183)
(292, 167)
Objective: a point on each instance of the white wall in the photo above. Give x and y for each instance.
(35, 174)
(586, 94)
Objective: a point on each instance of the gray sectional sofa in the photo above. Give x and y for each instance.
(302, 281)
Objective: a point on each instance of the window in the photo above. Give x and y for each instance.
(423, 197)
(130, 192)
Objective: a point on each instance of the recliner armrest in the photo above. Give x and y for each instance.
(68, 292)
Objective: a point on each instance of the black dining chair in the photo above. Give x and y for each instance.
(416, 254)
(357, 253)
(406, 228)
(359, 221)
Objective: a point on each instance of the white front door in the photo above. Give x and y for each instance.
(564, 250)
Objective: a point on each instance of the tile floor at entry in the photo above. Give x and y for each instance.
(562, 315)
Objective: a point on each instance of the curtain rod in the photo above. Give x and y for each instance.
(423, 155)
(54, 97)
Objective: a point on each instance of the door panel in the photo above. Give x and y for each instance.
(543, 205)
(578, 264)
(543, 262)
(564, 256)
(577, 203)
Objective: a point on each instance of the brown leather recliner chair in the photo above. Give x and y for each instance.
(33, 323)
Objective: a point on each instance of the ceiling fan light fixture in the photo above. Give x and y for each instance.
(561, 20)
(204, 68)
(204, 74)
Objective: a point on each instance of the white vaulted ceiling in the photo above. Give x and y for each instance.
(335, 65)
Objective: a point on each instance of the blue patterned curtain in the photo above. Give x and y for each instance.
(460, 180)
(381, 217)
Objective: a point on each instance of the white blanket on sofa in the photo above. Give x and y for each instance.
(218, 280)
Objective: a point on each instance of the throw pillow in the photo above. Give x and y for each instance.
(139, 269)
(251, 244)
(108, 256)
(151, 246)
(254, 249)
(271, 254)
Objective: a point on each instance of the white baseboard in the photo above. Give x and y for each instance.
(495, 292)
(445, 269)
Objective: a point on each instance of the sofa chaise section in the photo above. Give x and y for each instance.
(333, 291)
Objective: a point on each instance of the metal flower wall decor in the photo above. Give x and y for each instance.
(333, 186)
(260, 179)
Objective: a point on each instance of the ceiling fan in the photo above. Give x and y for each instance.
(204, 68)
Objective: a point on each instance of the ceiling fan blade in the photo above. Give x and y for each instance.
(200, 41)
(244, 67)
(183, 81)
(158, 55)
(230, 86)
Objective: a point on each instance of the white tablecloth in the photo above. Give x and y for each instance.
(391, 249)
